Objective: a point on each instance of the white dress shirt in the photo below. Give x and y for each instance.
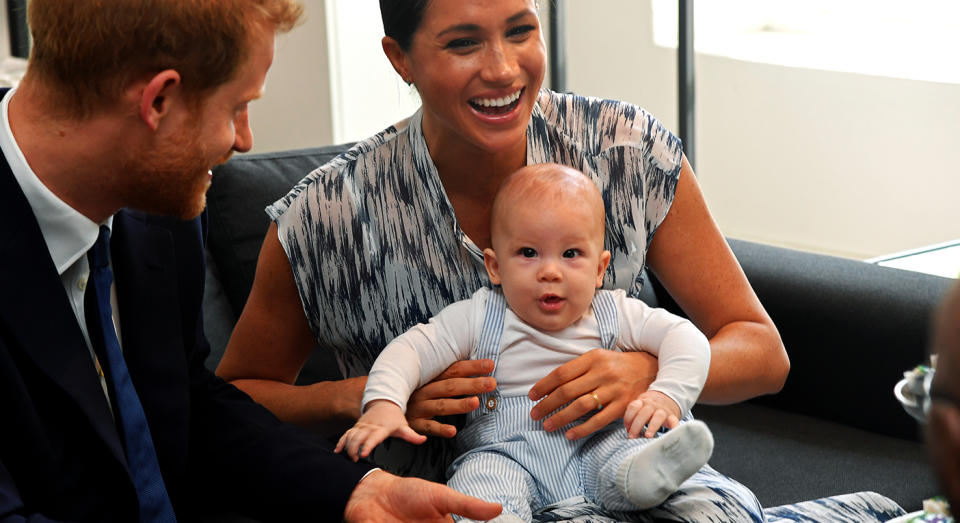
(67, 233)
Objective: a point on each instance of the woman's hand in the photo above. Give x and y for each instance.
(445, 396)
(600, 380)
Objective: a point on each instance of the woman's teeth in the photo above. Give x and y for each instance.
(497, 106)
(497, 102)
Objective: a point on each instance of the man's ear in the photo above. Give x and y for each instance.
(492, 265)
(155, 98)
(602, 267)
(398, 58)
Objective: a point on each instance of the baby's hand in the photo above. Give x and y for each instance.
(653, 409)
(382, 418)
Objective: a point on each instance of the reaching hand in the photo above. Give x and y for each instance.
(599, 380)
(443, 396)
(382, 418)
(653, 409)
(384, 497)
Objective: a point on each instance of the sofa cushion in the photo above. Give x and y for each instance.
(786, 458)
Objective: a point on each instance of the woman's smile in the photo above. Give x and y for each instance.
(497, 106)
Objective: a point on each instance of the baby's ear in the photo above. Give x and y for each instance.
(493, 267)
(602, 267)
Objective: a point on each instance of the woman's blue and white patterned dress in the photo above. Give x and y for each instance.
(375, 246)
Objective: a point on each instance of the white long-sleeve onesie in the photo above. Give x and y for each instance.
(527, 354)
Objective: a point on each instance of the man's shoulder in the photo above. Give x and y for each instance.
(181, 229)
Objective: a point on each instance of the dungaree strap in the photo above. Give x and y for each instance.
(605, 310)
(489, 344)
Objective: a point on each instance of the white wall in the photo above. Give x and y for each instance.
(367, 94)
(295, 109)
(832, 162)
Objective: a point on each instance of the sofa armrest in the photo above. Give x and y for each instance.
(851, 328)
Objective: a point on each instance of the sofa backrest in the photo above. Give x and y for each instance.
(240, 191)
(851, 329)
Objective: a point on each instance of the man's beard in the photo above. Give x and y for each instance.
(170, 179)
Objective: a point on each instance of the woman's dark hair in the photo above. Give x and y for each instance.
(401, 18)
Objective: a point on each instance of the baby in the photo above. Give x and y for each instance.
(547, 229)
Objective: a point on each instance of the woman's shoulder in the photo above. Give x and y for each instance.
(600, 123)
(367, 156)
(364, 160)
(575, 113)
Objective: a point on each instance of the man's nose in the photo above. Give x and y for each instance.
(243, 136)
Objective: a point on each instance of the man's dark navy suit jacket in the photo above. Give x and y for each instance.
(60, 454)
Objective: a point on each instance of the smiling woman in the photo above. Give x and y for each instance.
(466, 61)
(391, 232)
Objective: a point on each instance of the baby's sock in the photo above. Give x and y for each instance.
(648, 477)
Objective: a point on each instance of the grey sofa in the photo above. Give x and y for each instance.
(850, 328)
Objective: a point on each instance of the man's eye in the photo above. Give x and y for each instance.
(527, 252)
(571, 253)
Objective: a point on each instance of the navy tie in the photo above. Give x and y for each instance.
(141, 457)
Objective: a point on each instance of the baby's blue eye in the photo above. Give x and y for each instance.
(571, 253)
(527, 252)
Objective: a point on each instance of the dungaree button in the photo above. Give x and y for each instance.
(491, 403)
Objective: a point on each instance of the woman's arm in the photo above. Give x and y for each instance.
(270, 344)
(272, 341)
(692, 260)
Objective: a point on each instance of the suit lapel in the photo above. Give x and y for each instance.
(37, 312)
(148, 297)
(145, 271)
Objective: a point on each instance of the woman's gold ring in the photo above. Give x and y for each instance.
(599, 403)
